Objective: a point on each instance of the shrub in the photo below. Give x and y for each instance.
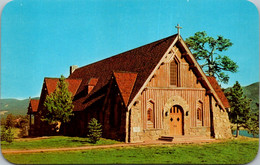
(9, 121)
(7, 135)
(95, 130)
(23, 130)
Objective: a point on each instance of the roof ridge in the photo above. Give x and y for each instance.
(139, 61)
(54, 78)
(124, 72)
(160, 41)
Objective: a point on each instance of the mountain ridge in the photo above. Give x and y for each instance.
(19, 107)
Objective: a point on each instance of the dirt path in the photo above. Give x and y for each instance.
(157, 142)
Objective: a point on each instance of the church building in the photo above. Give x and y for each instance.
(145, 93)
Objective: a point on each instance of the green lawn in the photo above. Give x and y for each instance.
(52, 142)
(228, 152)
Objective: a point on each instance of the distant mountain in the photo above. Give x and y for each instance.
(19, 107)
(14, 106)
(252, 92)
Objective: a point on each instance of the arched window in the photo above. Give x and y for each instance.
(150, 115)
(174, 73)
(199, 114)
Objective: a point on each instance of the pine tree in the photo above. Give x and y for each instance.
(240, 106)
(252, 124)
(59, 104)
(207, 50)
(95, 130)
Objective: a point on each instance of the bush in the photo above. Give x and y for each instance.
(7, 135)
(23, 130)
(9, 122)
(95, 130)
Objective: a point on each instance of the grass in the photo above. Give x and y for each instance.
(52, 142)
(240, 151)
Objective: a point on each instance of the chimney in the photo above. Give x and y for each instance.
(73, 68)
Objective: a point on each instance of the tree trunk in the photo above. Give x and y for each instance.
(237, 134)
(211, 72)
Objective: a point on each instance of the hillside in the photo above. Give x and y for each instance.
(19, 107)
(14, 106)
(252, 92)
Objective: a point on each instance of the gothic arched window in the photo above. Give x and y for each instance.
(199, 114)
(174, 73)
(150, 115)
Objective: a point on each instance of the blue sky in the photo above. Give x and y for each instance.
(42, 38)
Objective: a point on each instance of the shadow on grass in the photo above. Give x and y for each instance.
(87, 141)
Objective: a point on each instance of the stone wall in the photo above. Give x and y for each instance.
(136, 126)
(200, 131)
(221, 122)
(137, 133)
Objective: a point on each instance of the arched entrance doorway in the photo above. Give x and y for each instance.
(176, 120)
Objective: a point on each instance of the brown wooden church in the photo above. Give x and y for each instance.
(151, 91)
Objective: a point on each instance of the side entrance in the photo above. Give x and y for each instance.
(176, 120)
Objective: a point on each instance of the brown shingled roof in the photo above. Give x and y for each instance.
(125, 82)
(33, 106)
(141, 60)
(219, 91)
(73, 84)
(93, 81)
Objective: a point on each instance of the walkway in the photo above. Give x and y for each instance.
(155, 142)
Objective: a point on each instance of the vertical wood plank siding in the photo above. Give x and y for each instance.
(160, 97)
(159, 90)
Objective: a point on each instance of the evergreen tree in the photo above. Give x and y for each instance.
(240, 106)
(95, 130)
(206, 50)
(59, 104)
(252, 124)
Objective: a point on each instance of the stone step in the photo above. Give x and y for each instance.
(183, 138)
(166, 138)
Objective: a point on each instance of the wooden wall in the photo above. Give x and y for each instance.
(190, 89)
(161, 96)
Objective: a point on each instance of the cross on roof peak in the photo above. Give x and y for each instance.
(178, 28)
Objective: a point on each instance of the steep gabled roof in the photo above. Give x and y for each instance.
(141, 60)
(219, 91)
(93, 81)
(33, 106)
(73, 84)
(125, 82)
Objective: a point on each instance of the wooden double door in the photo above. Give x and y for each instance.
(176, 120)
